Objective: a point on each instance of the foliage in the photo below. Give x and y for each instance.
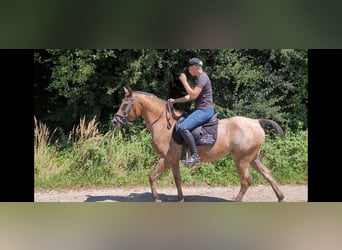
(74, 83)
(77, 92)
(295, 147)
(126, 158)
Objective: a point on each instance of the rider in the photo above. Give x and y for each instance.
(202, 94)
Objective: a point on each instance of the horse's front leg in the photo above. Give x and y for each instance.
(160, 168)
(177, 177)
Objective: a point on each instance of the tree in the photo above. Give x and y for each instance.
(73, 83)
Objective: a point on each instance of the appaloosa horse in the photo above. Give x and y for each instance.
(238, 136)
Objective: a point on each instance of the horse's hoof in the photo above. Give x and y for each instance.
(281, 198)
(181, 200)
(157, 200)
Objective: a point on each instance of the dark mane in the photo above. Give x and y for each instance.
(150, 95)
(155, 97)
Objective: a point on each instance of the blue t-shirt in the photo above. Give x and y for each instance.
(205, 98)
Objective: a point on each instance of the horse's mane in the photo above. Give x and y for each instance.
(155, 97)
(150, 95)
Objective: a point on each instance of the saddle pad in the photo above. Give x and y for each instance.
(205, 135)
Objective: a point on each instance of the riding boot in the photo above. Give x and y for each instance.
(194, 159)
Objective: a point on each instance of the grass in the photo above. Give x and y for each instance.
(91, 159)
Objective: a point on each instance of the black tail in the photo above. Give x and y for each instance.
(275, 125)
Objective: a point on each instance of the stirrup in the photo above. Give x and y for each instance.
(192, 160)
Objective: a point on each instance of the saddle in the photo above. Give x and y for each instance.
(205, 134)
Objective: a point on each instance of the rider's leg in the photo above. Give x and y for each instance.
(195, 119)
(194, 159)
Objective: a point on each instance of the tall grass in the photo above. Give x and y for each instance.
(91, 159)
(44, 153)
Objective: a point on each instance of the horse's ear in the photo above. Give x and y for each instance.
(128, 91)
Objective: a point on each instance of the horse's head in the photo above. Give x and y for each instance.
(123, 115)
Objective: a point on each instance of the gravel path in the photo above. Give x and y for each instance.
(258, 193)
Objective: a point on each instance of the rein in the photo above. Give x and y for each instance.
(129, 103)
(170, 110)
(157, 118)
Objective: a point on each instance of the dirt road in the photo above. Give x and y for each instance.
(258, 193)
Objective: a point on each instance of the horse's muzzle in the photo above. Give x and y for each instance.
(117, 122)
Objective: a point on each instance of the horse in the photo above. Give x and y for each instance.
(238, 136)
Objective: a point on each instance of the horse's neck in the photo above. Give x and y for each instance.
(153, 112)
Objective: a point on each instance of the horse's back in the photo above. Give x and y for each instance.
(241, 130)
(241, 122)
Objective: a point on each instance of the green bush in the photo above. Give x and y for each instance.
(287, 158)
(116, 159)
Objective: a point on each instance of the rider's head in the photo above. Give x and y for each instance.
(194, 66)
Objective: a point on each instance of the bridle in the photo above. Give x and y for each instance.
(127, 104)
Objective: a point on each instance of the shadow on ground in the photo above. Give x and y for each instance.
(147, 197)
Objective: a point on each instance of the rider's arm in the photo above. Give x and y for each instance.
(181, 99)
(193, 93)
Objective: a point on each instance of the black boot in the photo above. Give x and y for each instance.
(194, 159)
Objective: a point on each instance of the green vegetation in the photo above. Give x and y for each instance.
(74, 83)
(77, 92)
(118, 158)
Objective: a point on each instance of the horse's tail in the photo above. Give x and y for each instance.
(275, 125)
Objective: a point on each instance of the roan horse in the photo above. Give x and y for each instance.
(238, 136)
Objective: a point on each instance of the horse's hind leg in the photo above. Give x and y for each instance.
(177, 177)
(160, 168)
(245, 180)
(266, 173)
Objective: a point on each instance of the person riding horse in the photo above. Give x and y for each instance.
(238, 136)
(202, 95)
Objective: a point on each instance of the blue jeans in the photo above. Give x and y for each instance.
(196, 118)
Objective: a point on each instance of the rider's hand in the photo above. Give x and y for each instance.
(171, 100)
(182, 77)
